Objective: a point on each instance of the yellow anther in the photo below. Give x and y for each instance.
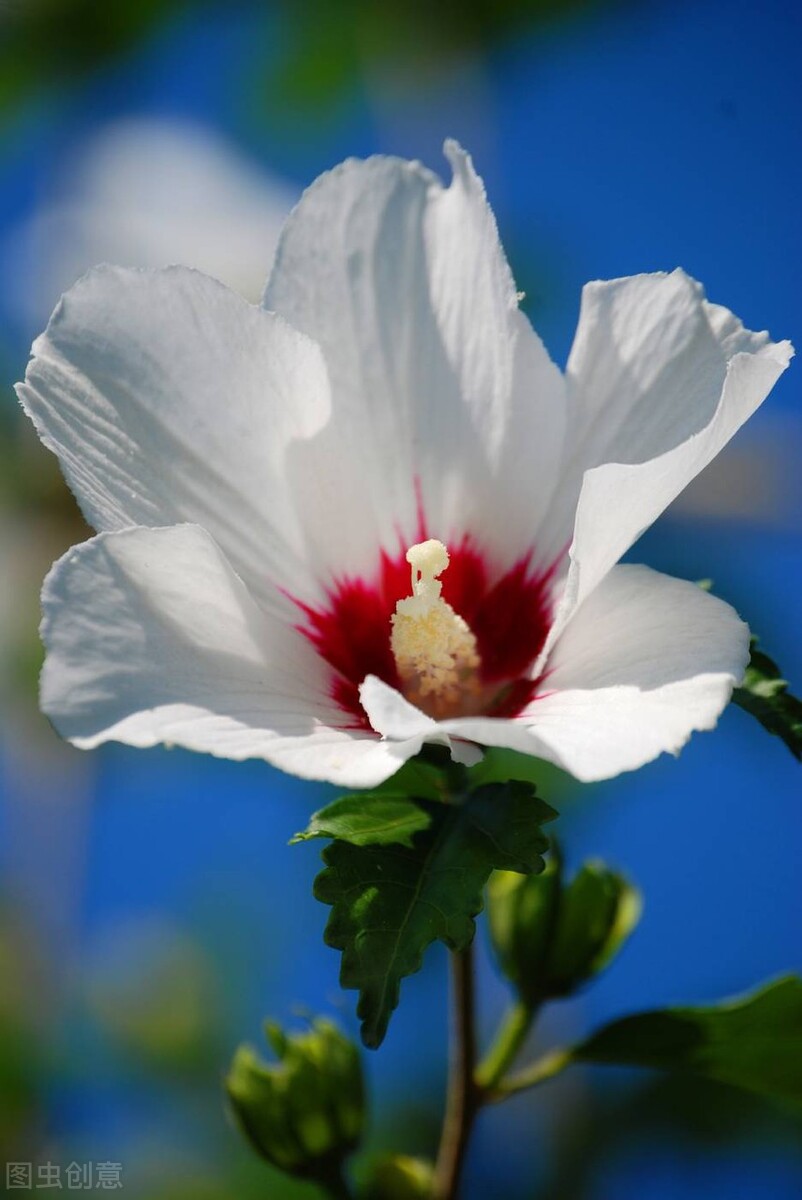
(434, 648)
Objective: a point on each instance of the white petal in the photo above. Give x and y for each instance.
(645, 370)
(646, 661)
(152, 637)
(440, 387)
(659, 381)
(168, 398)
(468, 754)
(391, 714)
(619, 501)
(401, 723)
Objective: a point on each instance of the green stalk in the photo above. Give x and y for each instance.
(510, 1038)
(547, 1067)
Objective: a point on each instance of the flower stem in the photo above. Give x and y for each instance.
(510, 1038)
(463, 1098)
(547, 1067)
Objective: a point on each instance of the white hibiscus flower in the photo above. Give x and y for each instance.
(257, 476)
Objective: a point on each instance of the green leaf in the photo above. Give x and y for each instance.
(508, 817)
(754, 1042)
(390, 902)
(498, 765)
(764, 693)
(425, 779)
(368, 819)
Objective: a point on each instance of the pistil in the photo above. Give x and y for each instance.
(434, 648)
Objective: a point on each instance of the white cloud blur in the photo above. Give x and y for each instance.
(147, 192)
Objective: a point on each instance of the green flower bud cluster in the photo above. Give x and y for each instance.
(550, 935)
(306, 1112)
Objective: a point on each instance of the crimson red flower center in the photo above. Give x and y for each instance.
(509, 613)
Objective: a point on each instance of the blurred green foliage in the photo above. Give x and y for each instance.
(325, 45)
(21, 1042)
(150, 1014)
(39, 520)
(329, 44)
(686, 1114)
(47, 43)
(156, 997)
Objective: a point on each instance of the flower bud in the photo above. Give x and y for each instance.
(551, 936)
(399, 1177)
(304, 1113)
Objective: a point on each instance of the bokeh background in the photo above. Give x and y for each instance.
(151, 912)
